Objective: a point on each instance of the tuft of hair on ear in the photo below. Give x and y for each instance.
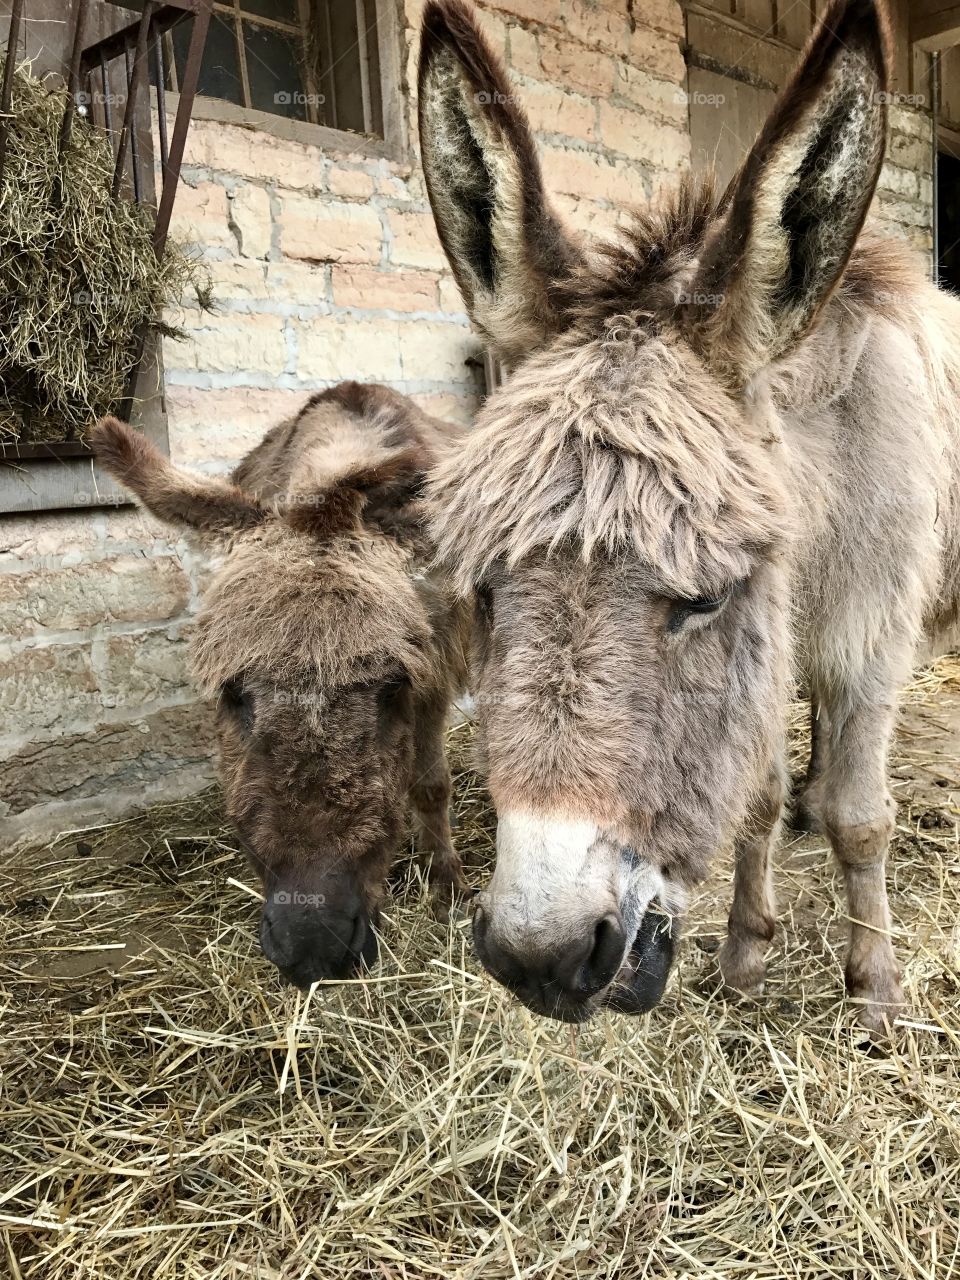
(451, 28)
(172, 495)
(335, 482)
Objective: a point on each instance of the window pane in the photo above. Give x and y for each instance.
(341, 70)
(273, 70)
(220, 70)
(320, 70)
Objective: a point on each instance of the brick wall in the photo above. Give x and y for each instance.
(325, 266)
(96, 714)
(904, 202)
(328, 267)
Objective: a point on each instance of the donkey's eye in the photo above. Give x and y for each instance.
(392, 688)
(704, 604)
(484, 599)
(681, 610)
(238, 700)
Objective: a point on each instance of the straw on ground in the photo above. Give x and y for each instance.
(170, 1111)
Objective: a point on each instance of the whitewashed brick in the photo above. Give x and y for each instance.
(208, 426)
(436, 352)
(415, 241)
(250, 218)
(337, 347)
(329, 231)
(228, 343)
(200, 216)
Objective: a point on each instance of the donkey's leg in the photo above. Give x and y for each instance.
(858, 814)
(806, 810)
(430, 797)
(752, 918)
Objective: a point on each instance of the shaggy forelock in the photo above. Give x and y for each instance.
(286, 606)
(620, 443)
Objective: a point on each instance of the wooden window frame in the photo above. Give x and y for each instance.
(237, 13)
(53, 478)
(393, 144)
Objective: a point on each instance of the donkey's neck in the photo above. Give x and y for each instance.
(823, 368)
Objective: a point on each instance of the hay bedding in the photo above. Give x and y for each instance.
(170, 1111)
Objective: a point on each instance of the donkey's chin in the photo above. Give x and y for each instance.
(637, 988)
(642, 979)
(560, 1008)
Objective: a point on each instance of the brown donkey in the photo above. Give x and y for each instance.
(333, 656)
(728, 455)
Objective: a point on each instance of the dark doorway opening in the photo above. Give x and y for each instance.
(948, 219)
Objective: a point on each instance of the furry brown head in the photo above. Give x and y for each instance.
(622, 507)
(321, 642)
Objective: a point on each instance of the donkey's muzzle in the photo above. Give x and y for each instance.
(560, 983)
(310, 941)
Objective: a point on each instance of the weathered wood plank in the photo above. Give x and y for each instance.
(758, 14)
(950, 87)
(725, 117)
(794, 21)
(935, 24)
(727, 46)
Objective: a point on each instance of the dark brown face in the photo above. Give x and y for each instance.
(315, 780)
(317, 637)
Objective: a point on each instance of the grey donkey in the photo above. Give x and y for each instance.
(726, 460)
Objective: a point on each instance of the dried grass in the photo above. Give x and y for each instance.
(170, 1111)
(78, 274)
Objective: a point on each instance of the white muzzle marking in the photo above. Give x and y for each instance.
(556, 876)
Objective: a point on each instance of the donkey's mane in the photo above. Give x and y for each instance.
(290, 608)
(656, 247)
(662, 241)
(309, 594)
(615, 439)
(567, 457)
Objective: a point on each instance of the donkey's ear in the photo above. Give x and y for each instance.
(199, 502)
(504, 243)
(792, 215)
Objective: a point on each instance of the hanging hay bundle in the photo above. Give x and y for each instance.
(78, 273)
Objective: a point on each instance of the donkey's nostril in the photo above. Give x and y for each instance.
(544, 977)
(310, 944)
(276, 943)
(604, 959)
(359, 938)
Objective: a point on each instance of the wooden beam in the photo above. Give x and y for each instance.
(935, 24)
(899, 14)
(948, 140)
